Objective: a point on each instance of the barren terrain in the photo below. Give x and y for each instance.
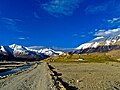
(65, 76)
(89, 76)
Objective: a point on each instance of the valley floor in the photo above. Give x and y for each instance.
(65, 76)
(89, 76)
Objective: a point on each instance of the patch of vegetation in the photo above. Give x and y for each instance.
(93, 57)
(97, 57)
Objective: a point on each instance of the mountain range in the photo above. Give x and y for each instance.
(19, 52)
(99, 44)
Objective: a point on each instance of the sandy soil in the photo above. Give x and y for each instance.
(32, 79)
(89, 76)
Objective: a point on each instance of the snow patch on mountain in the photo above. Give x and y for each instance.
(46, 51)
(35, 49)
(101, 41)
(95, 45)
(84, 46)
(2, 49)
(97, 38)
(17, 47)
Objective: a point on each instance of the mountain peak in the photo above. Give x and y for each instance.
(17, 47)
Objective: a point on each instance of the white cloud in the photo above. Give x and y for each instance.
(108, 32)
(8, 21)
(98, 8)
(114, 20)
(75, 35)
(112, 7)
(61, 7)
(95, 9)
(79, 35)
(90, 33)
(83, 36)
(23, 38)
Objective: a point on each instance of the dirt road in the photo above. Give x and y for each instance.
(35, 79)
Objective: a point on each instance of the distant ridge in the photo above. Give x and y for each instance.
(14, 52)
(99, 44)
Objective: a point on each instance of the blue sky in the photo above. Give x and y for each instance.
(58, 23)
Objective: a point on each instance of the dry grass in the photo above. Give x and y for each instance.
(93, 57)
(114, 54)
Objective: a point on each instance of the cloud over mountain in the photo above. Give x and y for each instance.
(108, 32)
(114, 20)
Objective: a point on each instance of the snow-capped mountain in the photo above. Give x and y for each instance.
(100, 44)
(46, 51)
(16, 47)
(26, 50)
(19, 51)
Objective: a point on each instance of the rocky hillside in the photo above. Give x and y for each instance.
(99, 44)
